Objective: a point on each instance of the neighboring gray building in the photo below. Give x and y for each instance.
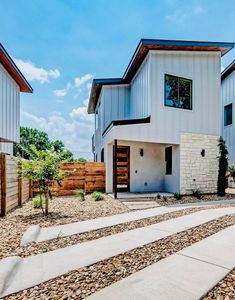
(12, 82)
(227, 109)
(157, 127)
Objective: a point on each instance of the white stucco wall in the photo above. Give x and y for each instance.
(228, 132)
(172, 182)
(147, 173)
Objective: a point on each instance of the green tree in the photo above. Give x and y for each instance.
(222, 183)
(44, 170)
(81, 159)
(41, 141)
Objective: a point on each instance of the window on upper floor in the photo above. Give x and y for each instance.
(178, 92)
(97, 117)
(228, 114)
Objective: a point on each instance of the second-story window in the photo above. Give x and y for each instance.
(178, 92)
(228, 114)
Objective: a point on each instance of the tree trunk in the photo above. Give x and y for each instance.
(47, 203)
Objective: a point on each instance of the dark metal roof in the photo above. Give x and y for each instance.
(13, 70)
(227, 71)
(140, 53)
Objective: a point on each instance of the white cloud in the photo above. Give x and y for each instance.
(181, 15)
(83, 79)
(34, 73)
(62, 92)
(81, 113)
(75, 131)
(89, 84)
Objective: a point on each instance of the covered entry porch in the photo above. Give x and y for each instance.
(137, 169)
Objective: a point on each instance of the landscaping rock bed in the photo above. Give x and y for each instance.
(224, 290)
(63, 210)
(37, 248)
(85, 281)
(192, 199)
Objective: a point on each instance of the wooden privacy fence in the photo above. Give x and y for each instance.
(88, 176)
(14, 190)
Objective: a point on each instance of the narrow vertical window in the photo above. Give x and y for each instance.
(228, 114)
(102, 155)
(168, 159)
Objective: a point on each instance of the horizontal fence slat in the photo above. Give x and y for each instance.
(87, 176)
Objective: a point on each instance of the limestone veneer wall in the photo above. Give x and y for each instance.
(196, 171)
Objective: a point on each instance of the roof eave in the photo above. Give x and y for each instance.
(96, 88)
(14, 71)
(227, 71)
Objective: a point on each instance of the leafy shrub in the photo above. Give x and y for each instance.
(177, 196)
(37, 202)
(80, 194)
(164, 198)
(197, 194)
(158, 196)
(231, 170)
(97, 196)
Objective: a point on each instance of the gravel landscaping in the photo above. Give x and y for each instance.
(63, 210)
(36, 248)
(192, 199)
(85, 281)
(224, 290)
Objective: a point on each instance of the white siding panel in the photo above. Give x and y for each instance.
(139, 93)
(228, 132)
(114, 105)
(204, 70)
(9, 107)
(6, 148)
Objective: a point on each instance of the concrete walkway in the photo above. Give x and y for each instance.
(37, 234)
(33, 270)
(188, 274)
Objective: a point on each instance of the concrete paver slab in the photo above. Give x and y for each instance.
(213, 250)
(179, 276)
(39, 268)
(48, 233)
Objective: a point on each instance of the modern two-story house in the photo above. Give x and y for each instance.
(12, 82)
(157, 126)
(227, 109)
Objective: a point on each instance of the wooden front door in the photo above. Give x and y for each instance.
(122, 168)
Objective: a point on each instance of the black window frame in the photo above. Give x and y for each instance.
(102, 155)
(226, 107)
(191, 92)
(168, 160)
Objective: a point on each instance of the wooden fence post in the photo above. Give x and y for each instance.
(19, 183)
(3, 183)
(30, 189)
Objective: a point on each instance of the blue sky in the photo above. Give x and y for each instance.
(60, 45)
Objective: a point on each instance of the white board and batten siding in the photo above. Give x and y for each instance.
(203, 68)
(228, 132)
(167, 123)
(9, 110)
(140, 92)
(113, 105)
